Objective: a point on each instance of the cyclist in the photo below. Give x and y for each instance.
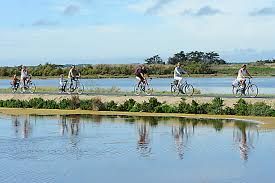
(178, 72)
(15, 82)
(73, 75)
(24, 75)
(141, 73)
(241, 76)
(62, 83)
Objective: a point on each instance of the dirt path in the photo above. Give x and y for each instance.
(120, 99)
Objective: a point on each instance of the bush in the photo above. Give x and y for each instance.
(127, 105)
(241, 108)
(136, 108)
(153, 105)
(111, 106)
(216, 107)
(261, 109)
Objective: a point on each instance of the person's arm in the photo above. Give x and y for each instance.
(183, 71)
(177, 71)
(70, 73)
(248, 74)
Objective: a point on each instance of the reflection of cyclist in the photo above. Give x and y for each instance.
(141, 73)
(178, 74)
(241, 75)
(73, 74)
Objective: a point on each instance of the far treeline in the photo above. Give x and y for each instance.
(195, 62)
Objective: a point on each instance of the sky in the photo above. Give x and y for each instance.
(127, 31)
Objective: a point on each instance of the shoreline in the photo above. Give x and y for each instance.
(152, 76)
(263, 122)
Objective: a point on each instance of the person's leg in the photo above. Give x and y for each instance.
(24, 82)
(71, 84)
(139, 80)
(243, 85)
(179, 81)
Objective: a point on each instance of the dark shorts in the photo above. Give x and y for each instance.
(140, 77)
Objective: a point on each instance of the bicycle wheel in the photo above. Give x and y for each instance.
(189, 90)
(237, 91)
(32, 88)
(148, 90)
(174, 90)
(252, 91)
(80, 89)
(137, 89)
(22, 88)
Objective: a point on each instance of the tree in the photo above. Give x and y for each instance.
(178, 57)
(154, 60)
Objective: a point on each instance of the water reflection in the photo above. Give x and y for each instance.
(182, 130)
(22, 126)
(70, 126)
(143, 144)
(244, 136)
(181, 134)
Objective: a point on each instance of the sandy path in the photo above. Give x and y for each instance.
(120, 99)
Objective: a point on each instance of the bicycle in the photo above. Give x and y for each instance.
(250, 90)
(14, 87)
(75, 86)
(144, 87)
(183, 88)
(29, 86)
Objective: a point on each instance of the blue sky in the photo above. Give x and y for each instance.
(126, 31)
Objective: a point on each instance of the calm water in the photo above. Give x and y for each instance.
(125, 149)
(205, 85)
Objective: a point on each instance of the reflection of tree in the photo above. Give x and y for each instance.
(25, 128)
(181, 135)
(245, 138)
(143, 144)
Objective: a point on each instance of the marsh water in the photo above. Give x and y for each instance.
(205, 85)
(85, 148)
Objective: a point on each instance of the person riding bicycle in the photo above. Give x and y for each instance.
(73, 75)
(62, 83)
(141, 74)
(15, 81)
(243, 72)
(24, 75)
(178, 72)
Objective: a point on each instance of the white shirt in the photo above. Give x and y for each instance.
(242, 73)
(24, 73)
(178, 72)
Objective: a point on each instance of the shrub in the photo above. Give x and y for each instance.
(136, 108)
(241, 108)
(216, 107)
(184, 107)
(261, 109)
(127, 105)
(111, 106)
(97, 105)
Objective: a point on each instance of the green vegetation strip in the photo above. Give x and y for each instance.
(215, 107)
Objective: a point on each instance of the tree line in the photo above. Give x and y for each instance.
(195, 62)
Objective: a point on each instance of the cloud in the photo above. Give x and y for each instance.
(44, 22)
(71, 10)
(268, 11)
(203, 11)
(158, 5)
